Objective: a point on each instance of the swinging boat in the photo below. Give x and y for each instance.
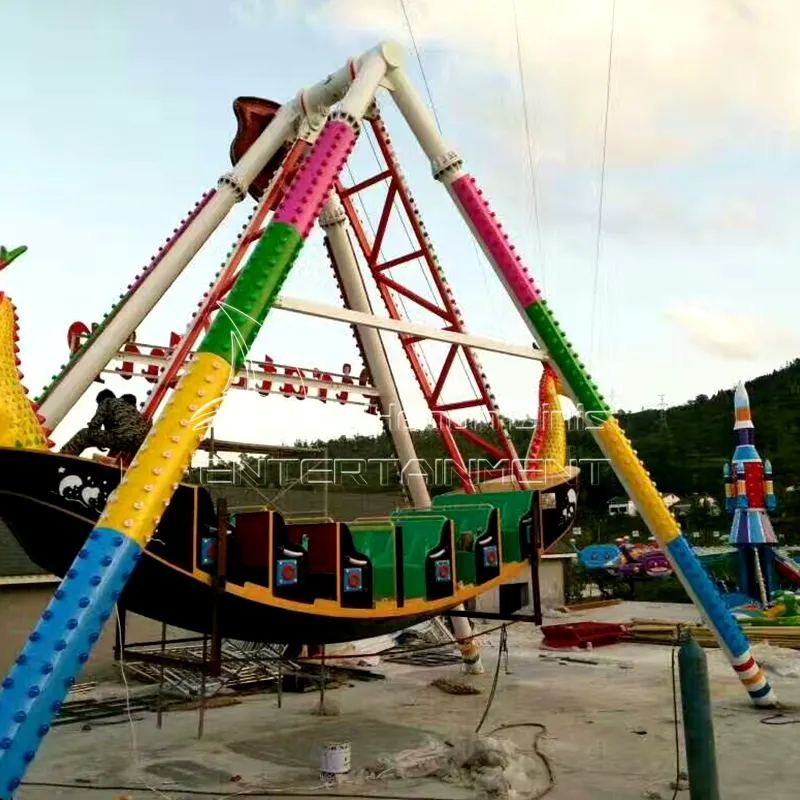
(319, 581)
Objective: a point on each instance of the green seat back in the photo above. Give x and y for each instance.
(474, 519)
(513, 506)
(421, 532)
(375, 540)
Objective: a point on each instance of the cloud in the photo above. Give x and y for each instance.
(738, 213)
(735, 337)
(686, 74)
(638, 211)
(701, 89)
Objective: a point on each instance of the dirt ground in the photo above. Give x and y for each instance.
(609, 731)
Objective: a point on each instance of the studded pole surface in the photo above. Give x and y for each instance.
(32, 693)
(239, 320)
(610, 437)
(20, 426)
(59, 647)
(127, 296)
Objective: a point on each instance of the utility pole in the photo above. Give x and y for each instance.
(662, 408)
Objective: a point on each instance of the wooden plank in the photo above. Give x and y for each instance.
(654, 631)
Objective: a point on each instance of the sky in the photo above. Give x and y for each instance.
(117, 116)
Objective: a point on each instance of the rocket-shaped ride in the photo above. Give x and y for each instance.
(749, 496)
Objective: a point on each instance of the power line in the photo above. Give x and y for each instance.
(602, 182)
(438, 125)
(531, 166)
(419, 61)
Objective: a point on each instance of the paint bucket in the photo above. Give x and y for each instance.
(335, 761)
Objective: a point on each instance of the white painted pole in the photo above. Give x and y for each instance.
(446, 163)
(371, 71)
(353, 317)
(231, 188)
(79, 376)
(421, 122)
(332, 220)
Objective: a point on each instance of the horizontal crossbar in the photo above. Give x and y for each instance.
(398, 326)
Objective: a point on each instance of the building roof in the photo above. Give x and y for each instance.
(618, 501)
(13, 561)
(561, 549)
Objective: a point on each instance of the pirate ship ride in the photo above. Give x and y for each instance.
(416, 564)
(316, 580)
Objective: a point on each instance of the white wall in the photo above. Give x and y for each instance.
(551, 586)
(20, 610)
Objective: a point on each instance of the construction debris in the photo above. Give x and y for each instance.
(81, 689)
(89, 711)
(430, 644)
(248, 666)
(490, 767)
(426, 658)
(245, 666)
(455, 687)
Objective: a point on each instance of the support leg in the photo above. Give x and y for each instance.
(535, 554)
(468, 198)
(355, 295)
(160, 697)
(201, 711)
(609, 436)
(333, 220)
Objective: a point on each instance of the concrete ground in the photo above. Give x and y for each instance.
(609, 730)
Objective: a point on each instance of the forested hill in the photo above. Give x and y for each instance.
(684, 448)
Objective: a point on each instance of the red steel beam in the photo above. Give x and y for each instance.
(366, 247)
(476, 402)
(383, 222)
(504, 440)
(444, 307)
(396, 262)
(414, 297)
(448, 363)
(473, 437)
(359, 187)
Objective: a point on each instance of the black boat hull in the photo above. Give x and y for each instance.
(51, 503)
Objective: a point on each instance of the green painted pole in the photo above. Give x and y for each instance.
(698, 725)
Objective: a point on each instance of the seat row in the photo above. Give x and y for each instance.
(417, 555)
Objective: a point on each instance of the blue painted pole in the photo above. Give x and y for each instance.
(698, 725)
(58, 648)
